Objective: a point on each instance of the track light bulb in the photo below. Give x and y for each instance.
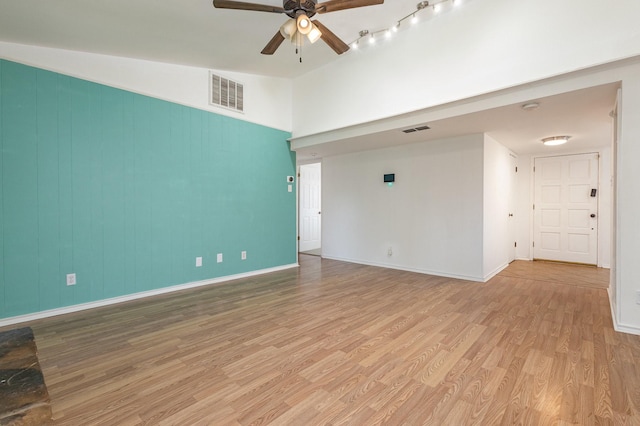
(414, 19)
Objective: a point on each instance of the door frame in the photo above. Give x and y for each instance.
(298, 188)
(603, 189)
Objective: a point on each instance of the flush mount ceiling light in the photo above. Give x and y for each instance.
(530, 106)
(555, 140)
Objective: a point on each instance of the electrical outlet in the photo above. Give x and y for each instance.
(243, 255)
(390, 252)
(289, 188)
(637, 297)
(198, 262)
(71, 279)
(219, 257)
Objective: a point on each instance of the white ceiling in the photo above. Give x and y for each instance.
(188, 32)
(581, 114)
(193, 32)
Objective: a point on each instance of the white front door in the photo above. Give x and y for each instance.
(310, 202)
(566, 208)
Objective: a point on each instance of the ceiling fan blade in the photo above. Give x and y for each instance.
(231, 4)
(334, 5)
(331, 39)
(273, 44)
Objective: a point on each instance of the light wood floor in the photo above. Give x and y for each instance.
(339, 343)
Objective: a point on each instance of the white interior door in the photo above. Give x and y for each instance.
(309, 182)
(566, 208)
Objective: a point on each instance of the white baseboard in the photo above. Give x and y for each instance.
(622, 328)
(112, 301)
(495, 272)
(405, 268)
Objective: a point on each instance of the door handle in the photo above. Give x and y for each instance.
(593, 215)
(319, 212)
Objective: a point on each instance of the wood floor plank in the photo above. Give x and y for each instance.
(340, 343)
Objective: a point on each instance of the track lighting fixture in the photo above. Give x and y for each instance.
(435, 6)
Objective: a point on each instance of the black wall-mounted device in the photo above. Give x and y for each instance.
(391, 177)
(593, 192)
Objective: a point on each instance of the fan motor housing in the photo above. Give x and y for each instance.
(292, 7)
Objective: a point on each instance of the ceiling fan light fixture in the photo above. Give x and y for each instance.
(297, 39)
(303, 23)
(315, 34)
(288, 29)
(555, 140)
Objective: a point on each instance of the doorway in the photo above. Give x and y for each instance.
(310, 206)
(565, 207)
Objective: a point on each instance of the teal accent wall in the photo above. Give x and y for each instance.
(126, 191)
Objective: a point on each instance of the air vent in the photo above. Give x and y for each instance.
(416, 129)
(226, 93)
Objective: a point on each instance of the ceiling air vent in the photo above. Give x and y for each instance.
(226, 93)
(416, 129)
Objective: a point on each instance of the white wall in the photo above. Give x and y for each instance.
(478, 48)
(628, 208)
(431, 217)
(496, 190)
(267, 100)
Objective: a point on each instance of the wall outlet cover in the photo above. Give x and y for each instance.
(198, 262)
(219, 258)
(71, 279)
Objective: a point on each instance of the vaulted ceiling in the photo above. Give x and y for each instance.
(188, 32)
(193, 32)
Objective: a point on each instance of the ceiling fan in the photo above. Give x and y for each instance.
(300, 24)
